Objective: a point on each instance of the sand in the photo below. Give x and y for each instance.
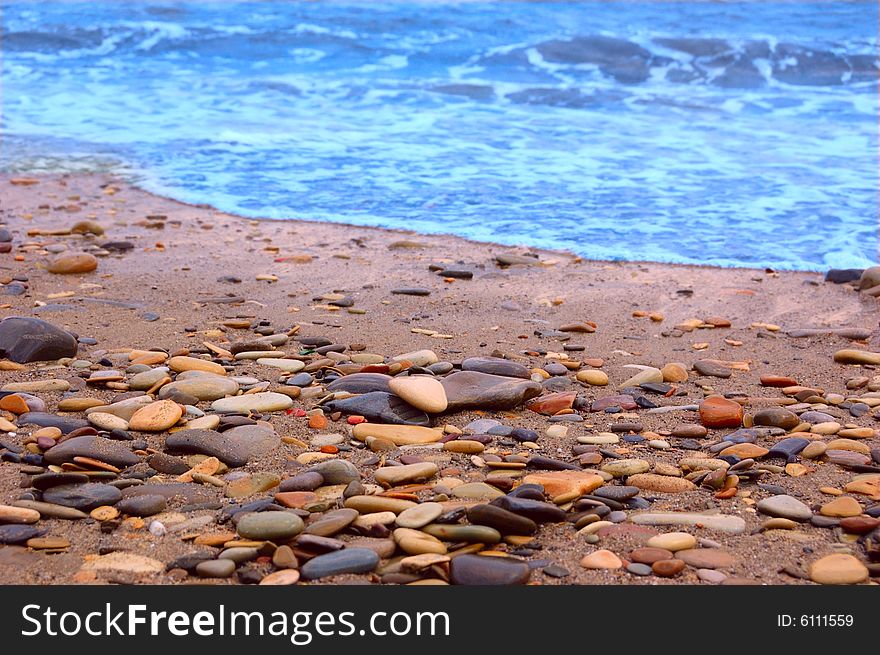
(175, 268)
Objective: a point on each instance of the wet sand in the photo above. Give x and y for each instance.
(171, 291)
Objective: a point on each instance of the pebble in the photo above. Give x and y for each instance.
(483, 570)
(269, 525)
(204, 387)
(661, 483)
(9, 514)
(776, 417)
(400, 435)
(266, 401)
(672, 541)
(593, 377)
(721, 522)
(476, 390)
(15, 533)
(784, 506)
(706, 558)
(848, 356)
(156, 417)
(115, 453)
(841, 507)
(348, 560)
(719, 412)
(668, 568)
(601, 559)
(332, 522)
(418, 358)
(380, 407)
(83, 497)
(215, 568)
(504, 521)
(396, 475)
(124, 562)
(144, 505)
(624, 467)
(24, 340)
(422, 392)
(73, 263)
(207, 442)
(838, 568)
(711, 369)
(420, 515)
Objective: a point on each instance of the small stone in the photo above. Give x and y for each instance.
(674, 372)
(673, 541)
(784, 506)
(719, 412)
(475, 390)
(74, 263)
(593, 377)
(601, 559)
(420, 391)
(156, 417)
(838, 568)
(483, 570)
(419, 516)
(215, 568)
(145, 505)
(841, 507)
(706, 558)
(266, 401)
(25, 340)
(776, 417)
(348, 560)
(83, 497)
(123, 562)
(396, 475)
(269, 525)
(661, 483)
(668, 568)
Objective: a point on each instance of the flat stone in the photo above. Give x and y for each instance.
(116, 453)
(483, 570)
(649, 555)
(593, 377)
(399, 435)
(661, 483)
(105, 421)
(504, 521)
(620, 468)
(601, 559)
(721, 522)
(72, 264)
(475, 390)
(395, 475)
(335, 471)
(215, 568)
(476, 491)
(348, 560)
(841, 507)
(123, 562)
(419, 516)
(252, 484)
(496, 366)
(711, 369)
(286, 365)
(786, 507)
(848, 356)
(24, 339)
(422, 392)
(83, 497)
(146, 505)
(777, 417)
(361, 383)
(381, 407)
(269, 525)
(418, 358)
(255, 440)
(16, 533)
(182, 364)
(673, 541)
(838, 568)
(559, 483)
(156, 417)
(266, 401)
(668, 568)
(205, 388)
(474, 534)
(553, 403)
(208, 442)
(11, 514)
(373, 504)
(706, 558)
(332, 522)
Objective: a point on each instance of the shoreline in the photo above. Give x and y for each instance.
(170, 288)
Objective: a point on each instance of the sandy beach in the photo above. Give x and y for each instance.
(197, 285)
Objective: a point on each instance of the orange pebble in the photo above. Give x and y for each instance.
(318, 421)
(329, 449)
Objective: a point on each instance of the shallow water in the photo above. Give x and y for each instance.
(728, 133)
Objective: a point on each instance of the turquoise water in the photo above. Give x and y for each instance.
(728, 133)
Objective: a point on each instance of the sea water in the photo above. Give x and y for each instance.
(726, 133)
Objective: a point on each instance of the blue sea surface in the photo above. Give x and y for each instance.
(726, 133)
